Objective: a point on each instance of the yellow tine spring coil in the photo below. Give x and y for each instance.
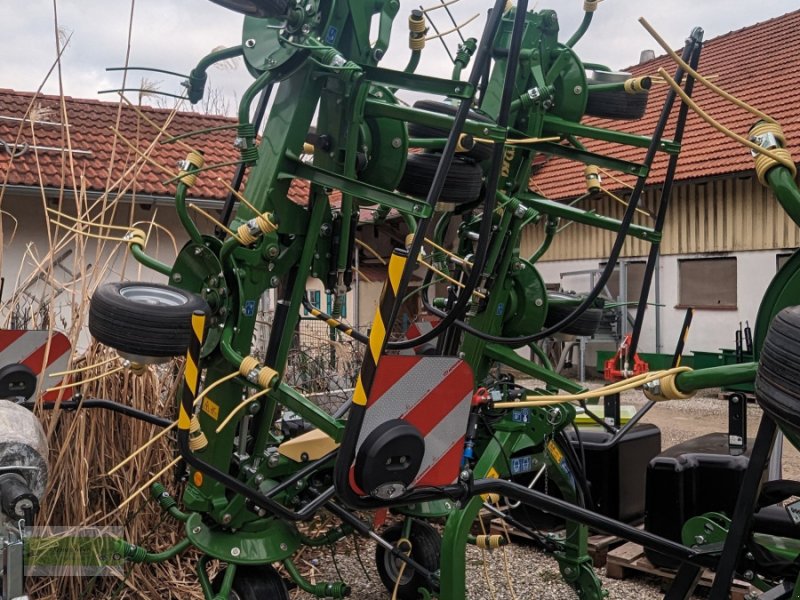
(592, 175)
(197, 439)
(416, 30)
(262, 224)
(264, 375)
(765, 163)
(637, 85)
(489, 542)
(195, 159)
(136, 237)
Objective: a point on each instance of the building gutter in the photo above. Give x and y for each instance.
(28, 191)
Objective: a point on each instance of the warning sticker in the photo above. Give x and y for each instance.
(211, 408)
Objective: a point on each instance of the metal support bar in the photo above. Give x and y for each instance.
(557, 209)
(737, 423)
(12, 567)
(611, 410)
(685, 581)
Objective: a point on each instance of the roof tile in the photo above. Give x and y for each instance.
(758, 64)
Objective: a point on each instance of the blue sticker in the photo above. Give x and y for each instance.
(521, 415)
(249, 308)
(330, 37)
(500, 309)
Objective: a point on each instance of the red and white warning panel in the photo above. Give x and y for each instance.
(43, 352)
(429, 394)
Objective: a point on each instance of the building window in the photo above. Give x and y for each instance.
(313, 297)
(329, 303)
(707, 283)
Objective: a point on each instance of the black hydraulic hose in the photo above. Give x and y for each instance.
(493, 177)
(334, 323)
(238, 177)
(76, 402)
(666, 193)
(584, 495)
(618, 243)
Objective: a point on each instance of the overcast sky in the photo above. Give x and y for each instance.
(174, 34)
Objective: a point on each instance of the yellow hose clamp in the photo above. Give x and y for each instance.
(590, 5)
(637, 85)
(409, 240)
(308, 148)
(592, 175)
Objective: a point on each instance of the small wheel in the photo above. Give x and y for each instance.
(479, 152)
(255, 583)
(561, 305)
(144, 320)
(426, 547)
(617, 104)
(777, 385)
(462, 184)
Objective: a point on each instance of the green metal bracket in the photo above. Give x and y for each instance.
(419, 83)
(369, 193)
(564, 211)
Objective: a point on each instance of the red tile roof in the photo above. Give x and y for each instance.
(759, 64)
(92, 141)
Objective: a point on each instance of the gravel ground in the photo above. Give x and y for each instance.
(534, 575)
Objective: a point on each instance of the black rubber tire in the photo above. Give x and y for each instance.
(462, 185)
(426, 548)
(479, 152)
(617, 104)
(255, 583)
(144, 319)
(560, 305)
(17, 381)
(777, 382)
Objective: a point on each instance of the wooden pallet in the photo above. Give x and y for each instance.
(598, 545)
(630, 559)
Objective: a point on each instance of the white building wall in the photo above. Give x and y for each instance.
(711, 328)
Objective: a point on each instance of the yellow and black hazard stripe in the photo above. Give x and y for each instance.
(191, 373)
(335, 323)
(379, 333)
